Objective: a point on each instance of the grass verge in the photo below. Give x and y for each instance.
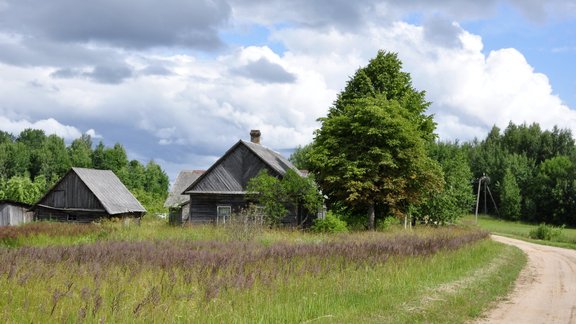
(520, 230)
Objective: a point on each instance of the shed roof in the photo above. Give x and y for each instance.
(15, 203)
(184, 180)
(109, 190)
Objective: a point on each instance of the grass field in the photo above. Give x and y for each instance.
(158, 273)
(567, 238)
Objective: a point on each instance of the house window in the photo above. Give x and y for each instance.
(223, 214)
(72, 218)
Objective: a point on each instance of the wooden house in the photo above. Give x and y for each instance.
(84, 195)
(14, 213)
(221, 190)
(178, 204)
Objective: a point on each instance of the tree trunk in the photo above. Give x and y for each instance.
(371, 216)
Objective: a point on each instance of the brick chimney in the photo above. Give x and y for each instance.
(255, 136)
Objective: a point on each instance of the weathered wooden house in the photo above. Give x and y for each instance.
(178, 204)
(14, 213)
(221, 190)
(84, 195)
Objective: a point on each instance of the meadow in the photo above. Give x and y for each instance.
(157, 273)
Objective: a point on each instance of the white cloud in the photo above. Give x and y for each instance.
(49, 126)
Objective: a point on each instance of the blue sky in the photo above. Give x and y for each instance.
(181, 81)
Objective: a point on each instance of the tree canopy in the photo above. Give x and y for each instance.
(371, 148)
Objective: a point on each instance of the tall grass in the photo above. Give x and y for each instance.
(216, 280)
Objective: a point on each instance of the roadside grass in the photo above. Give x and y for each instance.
(157, 273)
(520, 230)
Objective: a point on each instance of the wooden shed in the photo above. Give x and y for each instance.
(178, 204)
(14, 213)
(84, 195)
(221, 190)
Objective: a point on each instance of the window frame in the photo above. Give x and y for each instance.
(222, 218)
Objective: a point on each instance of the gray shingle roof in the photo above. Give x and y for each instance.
(223, 176)
(109, 190)
(183, 181)
(274, 159)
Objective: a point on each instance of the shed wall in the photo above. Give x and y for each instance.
(71, 192)
(14, 215)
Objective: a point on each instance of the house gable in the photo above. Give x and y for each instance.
(71, 193)
(232, 172)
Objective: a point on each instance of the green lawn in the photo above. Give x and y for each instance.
(567, 238)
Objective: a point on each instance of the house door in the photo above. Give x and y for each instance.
(223, 214)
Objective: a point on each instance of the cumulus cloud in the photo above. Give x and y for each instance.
(49, 126)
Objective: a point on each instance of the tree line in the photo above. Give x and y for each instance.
(32, 162)
(376, 156)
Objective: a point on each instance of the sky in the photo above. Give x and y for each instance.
(181, 81)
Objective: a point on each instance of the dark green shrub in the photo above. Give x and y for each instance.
(330, 224)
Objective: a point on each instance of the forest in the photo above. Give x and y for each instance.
(32, 162)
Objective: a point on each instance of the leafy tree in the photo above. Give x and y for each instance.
(371, 152)
(98, 157)
(14, 159)
(33, 140)
(53, 158)
(156, 180)
(133, 175)
(510, 197)
(6, 137)
(300, 157)
(274, 194)
(80, 151)
(370, 148)
(21, 188)
(115, 158)
(457, 198)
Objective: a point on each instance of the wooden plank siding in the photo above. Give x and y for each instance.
(204, 207)
(71, 193)
(14, 214)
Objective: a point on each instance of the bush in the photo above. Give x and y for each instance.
(545, 232)
(330, 224)
(386, 223)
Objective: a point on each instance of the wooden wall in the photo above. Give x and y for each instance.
(71, 192)
(14, 215)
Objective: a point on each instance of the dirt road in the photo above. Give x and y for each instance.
(545, 291)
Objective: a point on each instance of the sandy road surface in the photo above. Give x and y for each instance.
(545, 291)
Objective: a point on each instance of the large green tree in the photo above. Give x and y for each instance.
(370, 149)
(371, 153)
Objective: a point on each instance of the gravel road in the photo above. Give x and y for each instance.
(545, 291)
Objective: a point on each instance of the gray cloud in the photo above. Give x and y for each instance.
(110, 74)
(127, 24)
(155, 70)
(264, 71)
(442, 32)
